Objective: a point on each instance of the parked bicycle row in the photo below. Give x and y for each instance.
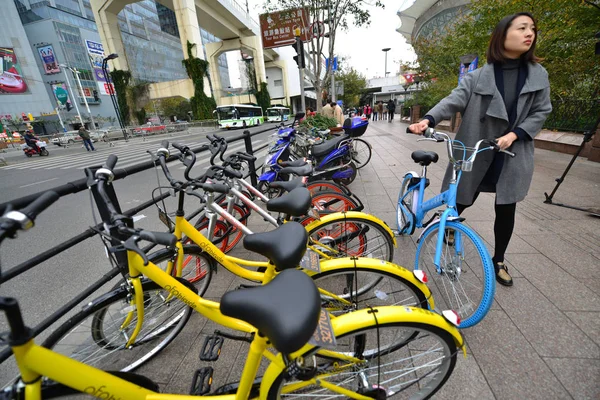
(347, 321)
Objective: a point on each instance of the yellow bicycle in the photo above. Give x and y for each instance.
(345, 285)
(389, 352)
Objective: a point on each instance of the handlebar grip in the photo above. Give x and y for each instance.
(40, 204)
(165, 144)
(182, 148)
(234, 174)
(111, 161)
(211, 138)
(245, 156)
(215, 187)
(408, 130)
(163, 238)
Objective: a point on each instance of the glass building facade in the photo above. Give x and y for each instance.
(149, 31)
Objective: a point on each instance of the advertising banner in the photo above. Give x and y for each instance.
(466, 69)
(96, 53)
(48, 60)
(11, 74)
(60, 93)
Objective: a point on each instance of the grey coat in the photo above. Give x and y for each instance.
(476, 91)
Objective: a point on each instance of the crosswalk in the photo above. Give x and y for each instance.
(128, 154)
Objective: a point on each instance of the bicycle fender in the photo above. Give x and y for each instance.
(357, 319)
(351, 214)
(372, 263)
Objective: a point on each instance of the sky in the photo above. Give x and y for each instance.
(360, 46)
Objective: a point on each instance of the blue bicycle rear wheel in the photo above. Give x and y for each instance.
(465, 281)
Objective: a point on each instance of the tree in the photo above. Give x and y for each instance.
(337, 14)
(177, 106)
(565, 43)
(196, 69)
(354, 83)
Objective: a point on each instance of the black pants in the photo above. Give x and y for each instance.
(503, 226)
(391, 115)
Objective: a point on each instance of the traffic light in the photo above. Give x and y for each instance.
(95, 92)
(68, 105)
(299, 58)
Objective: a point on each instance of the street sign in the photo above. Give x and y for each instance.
(317, 29)
(277, 28)
(61, 95)
(335, 64)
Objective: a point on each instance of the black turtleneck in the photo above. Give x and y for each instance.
(510, 73)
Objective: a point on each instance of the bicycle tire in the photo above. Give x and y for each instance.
(418, 354)
(317, 186)
(326, 201)
(405, 216)
(197, 265)
(476, 260)
(229, 237)
(361, 152)
(88, 340)
(363, 287)
(353, 237)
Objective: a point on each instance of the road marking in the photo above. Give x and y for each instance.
(37, 183)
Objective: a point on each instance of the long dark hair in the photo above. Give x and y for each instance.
(495, 51)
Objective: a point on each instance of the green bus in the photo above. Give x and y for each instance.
(239, 116)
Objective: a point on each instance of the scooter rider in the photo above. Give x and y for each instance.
(31, 140)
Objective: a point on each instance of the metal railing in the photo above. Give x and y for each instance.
(79, 186)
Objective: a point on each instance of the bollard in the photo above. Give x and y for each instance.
(251, 167)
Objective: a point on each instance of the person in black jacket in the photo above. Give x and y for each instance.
(391, 106)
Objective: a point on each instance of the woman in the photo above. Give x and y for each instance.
(511, 111)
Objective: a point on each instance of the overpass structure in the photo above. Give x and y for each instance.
(227, 20)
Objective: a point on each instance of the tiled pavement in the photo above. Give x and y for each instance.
(541, 340)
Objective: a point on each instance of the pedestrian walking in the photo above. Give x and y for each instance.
(391, 106)
(327, 111)
(384, 111)
(87, 141)
(369, 111)
(507, 100)
(338, 113)
(375, 112)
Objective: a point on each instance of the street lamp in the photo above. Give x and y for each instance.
(76, 73)
(385, 51)
(111, 92)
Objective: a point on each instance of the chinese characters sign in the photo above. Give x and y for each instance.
(48, 60)
(96, 53)
(277, 28)
(11, 74)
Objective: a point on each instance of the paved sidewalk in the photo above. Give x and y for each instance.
(541, 340)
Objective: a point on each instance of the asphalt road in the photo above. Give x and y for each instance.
(48, 286)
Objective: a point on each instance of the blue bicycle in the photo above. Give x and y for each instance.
(454, 258)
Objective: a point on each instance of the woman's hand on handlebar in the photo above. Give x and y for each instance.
(419, 127)
(504, 142)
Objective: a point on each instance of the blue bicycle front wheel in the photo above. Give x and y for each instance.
(465, 279)
(406, 203)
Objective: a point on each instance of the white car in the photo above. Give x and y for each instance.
(72, 137)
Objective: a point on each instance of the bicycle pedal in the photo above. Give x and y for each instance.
(211, 349)
(202, 381)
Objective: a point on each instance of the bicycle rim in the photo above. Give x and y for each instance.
(94, 336)
(416, 362)
(317, 186)
(361, 152)
(349, 289)
(466, 280)
(352, 237)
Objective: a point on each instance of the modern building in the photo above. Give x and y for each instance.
(22, 89)
(48, 33)
(426, 17)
